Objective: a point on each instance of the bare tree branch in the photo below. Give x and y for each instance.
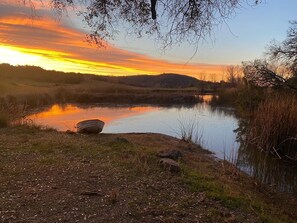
(286, 51)
(258, 73)
(170, 21)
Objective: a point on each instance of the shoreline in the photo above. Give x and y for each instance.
(49, 175)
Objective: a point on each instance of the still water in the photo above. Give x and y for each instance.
(213, 128)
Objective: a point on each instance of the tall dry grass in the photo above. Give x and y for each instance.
(190, 130)
(4, 119)
(274, 126)
(225, 97)
(11, 113)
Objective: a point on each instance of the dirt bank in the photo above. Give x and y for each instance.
(47, 176)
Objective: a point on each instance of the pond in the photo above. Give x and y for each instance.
(211, 127)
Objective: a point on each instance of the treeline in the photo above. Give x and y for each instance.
(33, 73)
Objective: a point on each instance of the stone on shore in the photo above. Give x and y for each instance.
(170, 165)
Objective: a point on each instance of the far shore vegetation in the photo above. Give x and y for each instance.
(35, 86)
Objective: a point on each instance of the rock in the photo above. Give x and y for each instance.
(171, 154)
(170, 165)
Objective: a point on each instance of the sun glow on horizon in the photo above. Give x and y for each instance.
(14, 57)
(61, 61)
(54, 45)
(52, 60)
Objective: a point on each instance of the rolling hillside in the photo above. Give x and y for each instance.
(37, 74)
(161, 81)
(35, 87)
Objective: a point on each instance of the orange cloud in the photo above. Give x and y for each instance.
(55, 45)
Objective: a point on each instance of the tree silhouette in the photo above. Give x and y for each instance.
(233, 74)
(260, 72)
(286, 51)
(169, 21)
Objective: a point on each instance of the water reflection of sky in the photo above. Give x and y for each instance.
(65, 117)
(216, 126)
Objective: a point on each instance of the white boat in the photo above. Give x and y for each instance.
(90, 126)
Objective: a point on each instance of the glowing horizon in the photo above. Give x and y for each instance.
(53, 45)
(37, 36)
(24, 56)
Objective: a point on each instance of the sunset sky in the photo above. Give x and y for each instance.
(59, 43)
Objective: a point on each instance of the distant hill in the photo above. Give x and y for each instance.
(37, 74)
(159, 81)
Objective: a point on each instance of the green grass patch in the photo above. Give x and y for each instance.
(214, 190)
(200, 183)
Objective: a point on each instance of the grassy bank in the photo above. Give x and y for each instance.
(47, 176)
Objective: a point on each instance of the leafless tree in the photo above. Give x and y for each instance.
(202, 76)
(170, 21)
(286, 51)
(258, 73)
(233, 74)
(282, 67)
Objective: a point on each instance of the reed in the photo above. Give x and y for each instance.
(10, 113)
(273, 126)
(190, 131)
